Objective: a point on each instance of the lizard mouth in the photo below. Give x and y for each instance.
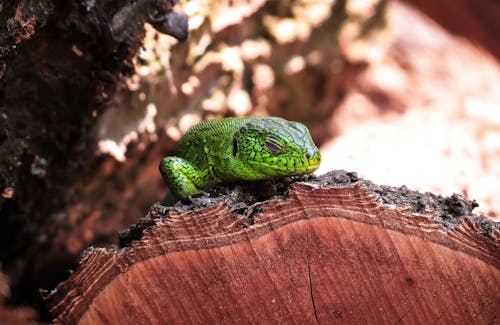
(301, 166)
(312, 167)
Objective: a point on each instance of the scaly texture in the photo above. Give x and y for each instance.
(239, 148)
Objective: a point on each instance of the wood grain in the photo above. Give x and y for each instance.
(327, 253)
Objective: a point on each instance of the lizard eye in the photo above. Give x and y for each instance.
(235, 147)
(273, 144)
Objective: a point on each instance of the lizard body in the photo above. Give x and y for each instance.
(239, 148)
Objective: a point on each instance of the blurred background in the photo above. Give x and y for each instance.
(405, 93)
(385, 91)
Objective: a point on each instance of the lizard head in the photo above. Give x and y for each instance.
(275, 147)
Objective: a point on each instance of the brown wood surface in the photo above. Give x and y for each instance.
(327, 253)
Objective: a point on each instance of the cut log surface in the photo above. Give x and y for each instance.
(321, 250)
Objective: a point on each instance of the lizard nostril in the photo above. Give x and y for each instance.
(307, 156)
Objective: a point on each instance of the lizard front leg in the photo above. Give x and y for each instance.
(182, 177)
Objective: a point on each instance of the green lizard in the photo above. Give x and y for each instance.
(239, 148)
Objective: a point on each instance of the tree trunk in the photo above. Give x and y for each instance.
(326, 249)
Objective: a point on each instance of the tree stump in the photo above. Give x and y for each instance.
(322, 249)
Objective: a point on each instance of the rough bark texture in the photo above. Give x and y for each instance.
(60, 63)
(327, 249)
(63, 64)
(63, 67)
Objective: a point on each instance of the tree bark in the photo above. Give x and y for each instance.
(61, 63)
(324, 249)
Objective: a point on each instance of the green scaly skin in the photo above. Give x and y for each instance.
(239, 148)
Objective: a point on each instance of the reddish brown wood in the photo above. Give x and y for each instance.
(330, 253)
